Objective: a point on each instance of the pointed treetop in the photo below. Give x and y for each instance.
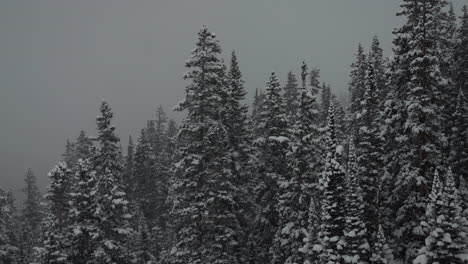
(331, 130)
(436, 186)
(273, 85)
(304, 74)
(450, 180)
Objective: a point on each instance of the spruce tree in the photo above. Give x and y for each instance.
(9, 251)
(111, 211)
(369, 145)
(445, 222)
(57, 220)
(295, 193)
(357, 248)
(69, 156)
(31, 219)
(459, 137)
(128, 176)
(460, 54)
(83, 233)
(257, 109)
(271, 147)
(239, 147)
(325, 99)
(172, 131)
(376, 58)
(332, 185)
(83, 148)
(203, 194)
(415, 113)
(380, 250)
(291, 96)
(357, 82)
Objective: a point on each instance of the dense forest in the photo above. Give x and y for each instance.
(299, 177)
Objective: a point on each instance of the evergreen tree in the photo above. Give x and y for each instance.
(128, 176)
(239, 147)
(203, 193)
(357, 248)
(31, 219)
(415, 112)
(291, 96)
(446, 237)
(271, 147)
(460, 53)
(83, 231)
(69, 156)
(148, 190)
(380, 250)
(57, 220)
(83, 148)
(459, 137)
(326, 98)
(369, 147)
(257, 109)
(111, 211)
(332, 184)
(357, 82)
(172, 131)
(8, 226)
(314, 82)
(376, 58)
(142, 241)
(296, 192)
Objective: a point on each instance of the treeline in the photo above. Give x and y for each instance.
(298, 179)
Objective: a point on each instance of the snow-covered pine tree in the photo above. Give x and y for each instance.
(31, 219)
(203, 193)
(418, 103)
(341, 123)
(83, 148)
(69, 156)
(459, 137)
(236, 119)
(325, 99)
(369, 145)
(129, 168)
(376, 57)
(111, 211)
(455, 223)
(381, 253)
(141, 242)
(149, 186)
(8, 226)
(257, 109)
(239, 148)
(172, 131)
(271, 149)
(332, 184)
(356, 249)
(460, 53)
(291, 96)
(56, 223)
(357, 83)
(295, 193)
(444, 223)
(83, 230)
(145, 188)
(314, 82)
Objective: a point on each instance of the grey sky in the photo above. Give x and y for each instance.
(59, 58)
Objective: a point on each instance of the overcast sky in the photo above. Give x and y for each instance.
(60, 58)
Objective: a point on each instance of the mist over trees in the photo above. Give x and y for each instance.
(299, 178)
